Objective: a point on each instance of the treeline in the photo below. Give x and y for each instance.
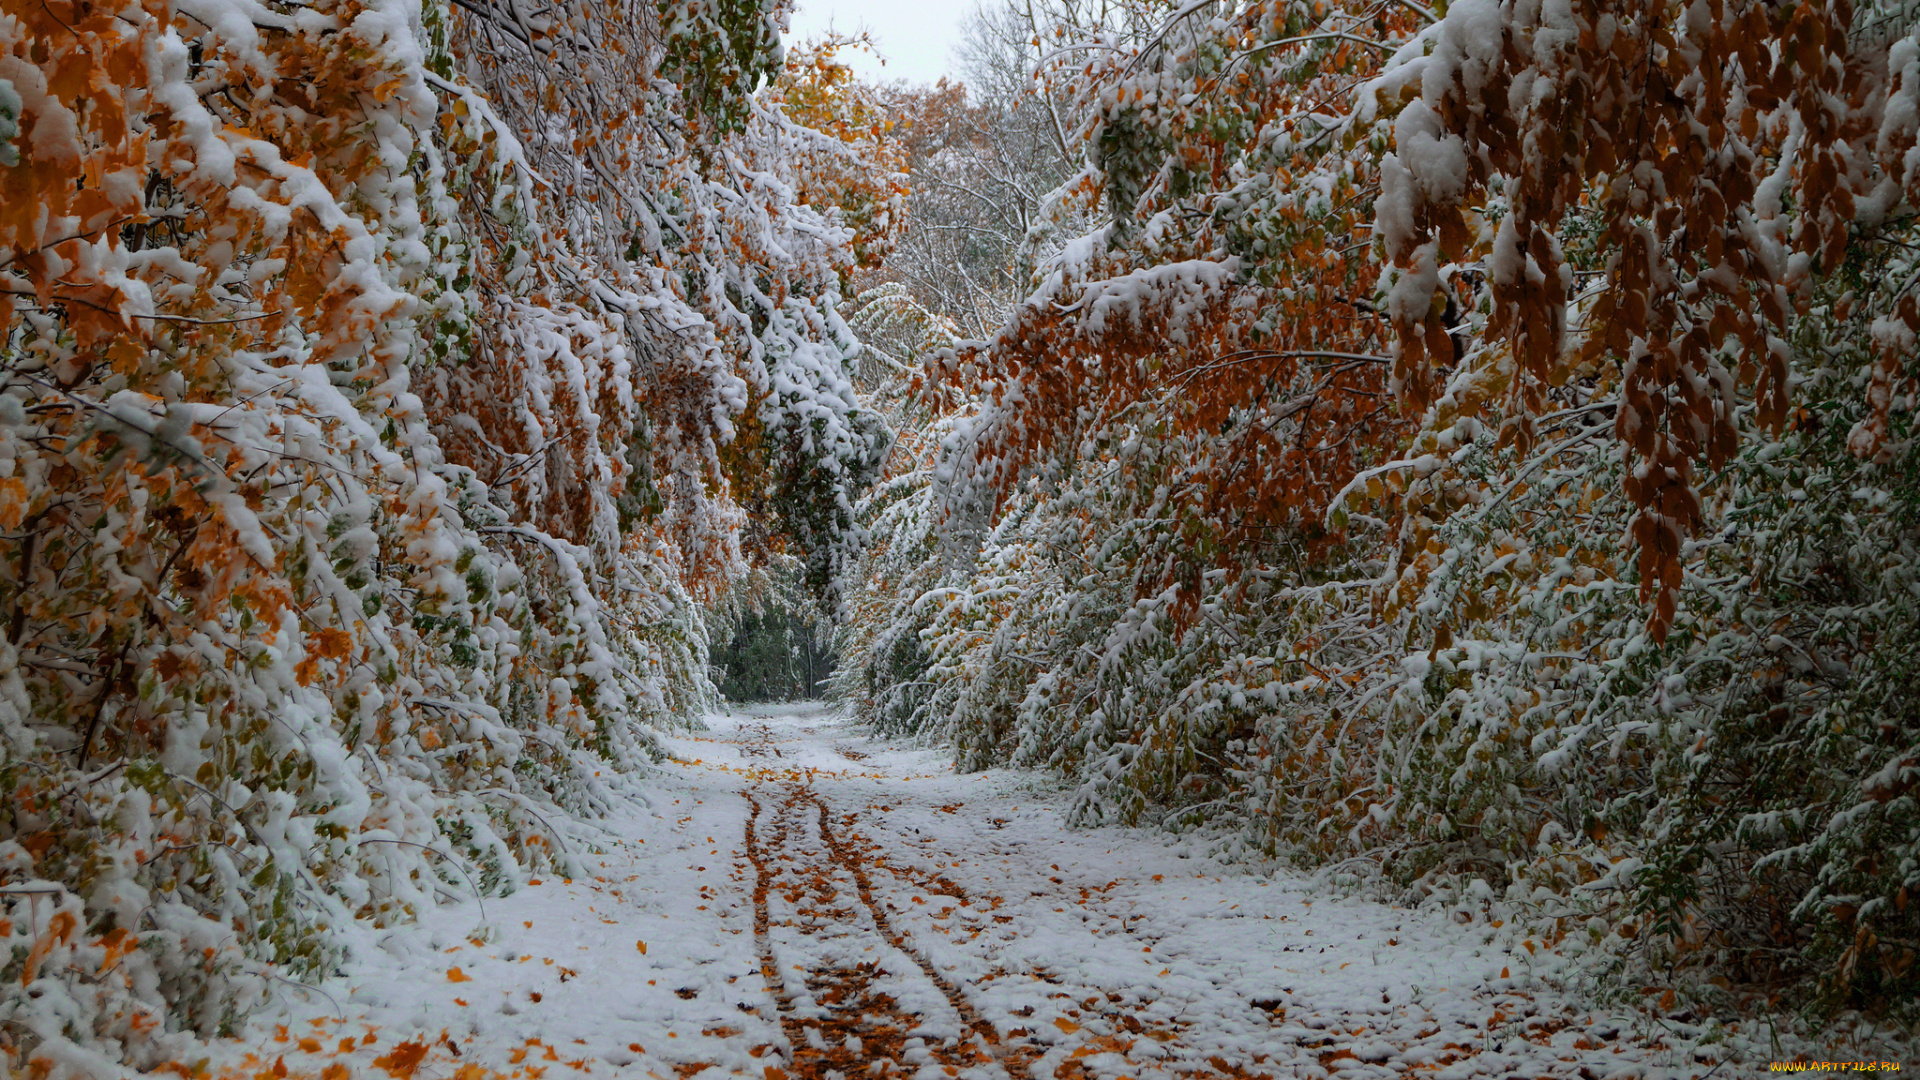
(780, 651)
(1458, 444)
(389, 392)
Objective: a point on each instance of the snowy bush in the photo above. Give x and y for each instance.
(367, 378)
(1456, 457)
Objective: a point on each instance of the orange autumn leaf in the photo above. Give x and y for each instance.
(331, 643)
(403, 1059)
(59, 929)
(13, 502)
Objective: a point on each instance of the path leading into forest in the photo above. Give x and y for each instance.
(803, 902)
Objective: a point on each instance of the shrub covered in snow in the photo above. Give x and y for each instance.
(1478, 444)
(366, 381)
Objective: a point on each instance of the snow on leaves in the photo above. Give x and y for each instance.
(1473, 440)
(365, 379)
(1708, 158)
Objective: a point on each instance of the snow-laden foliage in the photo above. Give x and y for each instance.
(1478, 443)
(371, 412)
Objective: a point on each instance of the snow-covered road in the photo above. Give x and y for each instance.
(803, 902)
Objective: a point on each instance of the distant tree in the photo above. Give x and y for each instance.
(774, 654)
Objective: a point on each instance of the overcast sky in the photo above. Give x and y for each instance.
(915, 36)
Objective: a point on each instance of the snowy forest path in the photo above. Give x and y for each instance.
(789, 898)
(840, 1017)
(840, 919)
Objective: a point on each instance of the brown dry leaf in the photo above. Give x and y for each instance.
(403, 1059)
(1066, 1025)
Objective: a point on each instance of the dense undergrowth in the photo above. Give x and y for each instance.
(383, 390)
(1452, 453)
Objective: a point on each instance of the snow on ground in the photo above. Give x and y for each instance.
(800, 900)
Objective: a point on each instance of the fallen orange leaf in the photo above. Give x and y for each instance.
(403, 1060)
(643, 947)
(1066, 1025)
(456, 975)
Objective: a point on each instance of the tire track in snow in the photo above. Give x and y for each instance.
(864, 1030)
(968, 1014)
(790, 1025)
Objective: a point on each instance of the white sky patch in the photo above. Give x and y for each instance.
(916, 37)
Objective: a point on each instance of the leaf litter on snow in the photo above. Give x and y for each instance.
(913, 921)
